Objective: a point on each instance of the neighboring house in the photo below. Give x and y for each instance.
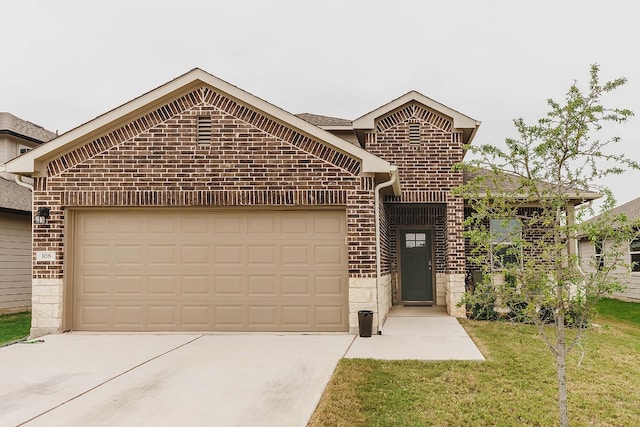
(591, 254)
(17, 136)
(198, 206)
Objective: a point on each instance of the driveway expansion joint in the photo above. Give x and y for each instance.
(109, 380)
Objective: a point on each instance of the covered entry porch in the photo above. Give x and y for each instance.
(423, 255)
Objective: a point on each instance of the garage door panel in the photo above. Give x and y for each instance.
(295, 226)
(296, 316)
(260, 225)
(227, 224)
(295, 255)
(130, 315)
(262, 254)
(162, 255)
(262, 285)
(129, 285)
(327, 226)
(229, 285)
(218, 270)
(196, 225)
(195, 255)
(330, 315)
(94, 285)
(162, 316)
(196, 285)
(93, 226)
(94, 316)
(163, 225)
(229, 255)
(127, 224)
(125, 254)
(329, 255)
(95, 255)
(230, 316)
(162, 285)
(296, 285)
(330, 285)
(262, 317)
(196, 316)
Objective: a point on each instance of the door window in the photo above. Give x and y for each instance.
(415, 240)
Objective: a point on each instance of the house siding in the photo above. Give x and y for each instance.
(630, 280)
(15, 262)
(251, 161)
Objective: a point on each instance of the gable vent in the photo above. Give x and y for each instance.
(414, 133)
(204, 130)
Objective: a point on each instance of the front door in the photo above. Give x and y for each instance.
(416, 266)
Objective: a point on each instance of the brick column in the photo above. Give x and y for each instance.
(455, 255)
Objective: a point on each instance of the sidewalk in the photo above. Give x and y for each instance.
(417, 333)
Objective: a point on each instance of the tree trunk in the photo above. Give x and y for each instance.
(561, 356)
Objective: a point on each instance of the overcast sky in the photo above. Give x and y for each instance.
(68, 61)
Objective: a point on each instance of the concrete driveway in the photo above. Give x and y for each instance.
(156, 380)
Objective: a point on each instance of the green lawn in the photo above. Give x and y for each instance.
(623, 310)
(516, 386)
(14, 326)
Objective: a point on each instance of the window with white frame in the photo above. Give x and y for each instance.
(506, 238)
(634, 255)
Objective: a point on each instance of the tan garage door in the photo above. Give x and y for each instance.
(160, 270)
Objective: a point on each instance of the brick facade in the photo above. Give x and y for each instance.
(250, 158)
(163, 165)
(424, 146)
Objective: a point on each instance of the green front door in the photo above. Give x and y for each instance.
(416, 270)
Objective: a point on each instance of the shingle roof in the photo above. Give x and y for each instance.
(318, 120)
(14, 197)
(9, 122)
(630, 209)
(511, 183)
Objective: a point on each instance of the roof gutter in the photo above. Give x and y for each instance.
(21, 183)
(18, 179)
(393, 173)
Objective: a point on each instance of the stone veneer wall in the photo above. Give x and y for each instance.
(47, 306)
(369, 294)
(454, 294)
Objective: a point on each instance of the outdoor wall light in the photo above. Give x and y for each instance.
(42, 215)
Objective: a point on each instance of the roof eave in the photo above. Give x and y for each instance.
(574, 197)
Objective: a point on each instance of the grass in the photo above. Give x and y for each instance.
(14, 326)
(623, 310)
(516, 386)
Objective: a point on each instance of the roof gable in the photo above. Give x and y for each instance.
(461, 122)
(35, 161)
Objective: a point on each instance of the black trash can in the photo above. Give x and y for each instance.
(365, 322)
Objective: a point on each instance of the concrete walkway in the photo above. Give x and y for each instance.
(417, 333)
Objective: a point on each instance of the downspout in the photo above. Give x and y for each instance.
(21, 183)
(393, 173)
(18, 179)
